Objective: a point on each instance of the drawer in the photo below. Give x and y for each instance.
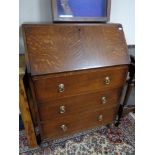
(50, 87)
(77, 104)
(73, 124)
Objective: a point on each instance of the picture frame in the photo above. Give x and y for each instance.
(81, 10)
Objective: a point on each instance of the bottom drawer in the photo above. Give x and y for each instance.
(76, 123)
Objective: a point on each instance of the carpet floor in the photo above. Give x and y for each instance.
(100, 141)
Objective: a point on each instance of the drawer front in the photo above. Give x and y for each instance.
(70, 84)
(77, 104)
(76, 123)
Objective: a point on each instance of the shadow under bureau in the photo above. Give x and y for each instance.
(76, 73)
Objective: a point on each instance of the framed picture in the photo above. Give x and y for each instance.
(81, 10)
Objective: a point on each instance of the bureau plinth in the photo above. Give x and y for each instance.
(75, 71)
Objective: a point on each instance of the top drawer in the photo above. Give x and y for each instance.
(54, 86)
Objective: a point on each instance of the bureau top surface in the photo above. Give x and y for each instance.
(54, 48)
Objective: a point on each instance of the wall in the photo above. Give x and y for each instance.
(122, 11)
(33, 11)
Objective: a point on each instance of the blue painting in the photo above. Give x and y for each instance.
(82, 8)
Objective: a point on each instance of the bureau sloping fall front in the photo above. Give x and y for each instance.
(75, 71)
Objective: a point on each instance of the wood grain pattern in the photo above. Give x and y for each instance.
(46, 88)
(76, 124)
(67, 47)
(80, 56)
(32, 107)
(26, 116)
(78, 104)
(22, 65)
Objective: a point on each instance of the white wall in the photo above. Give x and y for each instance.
(122, 11)
(33, 11)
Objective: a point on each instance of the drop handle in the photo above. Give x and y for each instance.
(63, 127)
(107, 80)
(61, 87)
(104, 100)
(100, 118)
(62, 109)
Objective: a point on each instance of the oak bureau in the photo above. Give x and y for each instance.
(76, 74)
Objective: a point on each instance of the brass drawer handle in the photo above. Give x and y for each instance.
(100, 118)
(104, 100)
(62, 109)
(64, 128)
(107, 80)
(61, 88)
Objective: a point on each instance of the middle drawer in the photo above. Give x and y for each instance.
(77, 104)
